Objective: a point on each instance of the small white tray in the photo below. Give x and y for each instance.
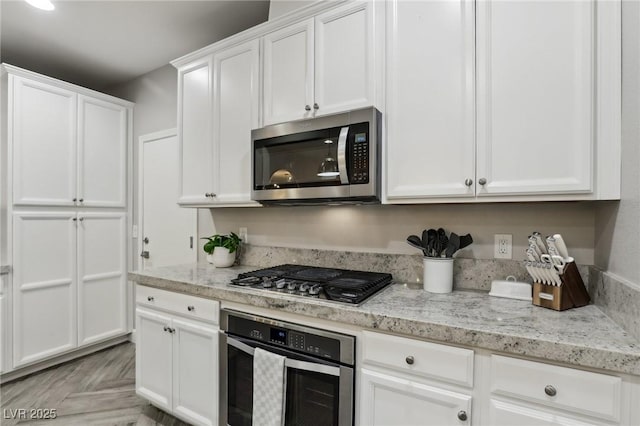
(511, 289)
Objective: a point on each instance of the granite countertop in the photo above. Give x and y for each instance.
(583, 336)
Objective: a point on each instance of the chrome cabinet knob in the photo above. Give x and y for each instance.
(550, 390)
(75, 199)
(191, 308)
(81, 219)
(316, 106)
(482, 181)
(151, 298)
(171, 330)
(462, 415)
(468, 182)
(409, 360)
(81, 200)
(307, 108)
(74, 219)
(207, 194)
(146, 240)
(166, 328)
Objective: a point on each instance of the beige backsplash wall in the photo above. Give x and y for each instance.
(384, 228)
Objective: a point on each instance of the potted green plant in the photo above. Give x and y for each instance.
(222, 249)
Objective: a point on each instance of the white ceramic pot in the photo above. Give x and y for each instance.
(438, 274)
(221, 258)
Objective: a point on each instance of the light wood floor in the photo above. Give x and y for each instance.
(98, 389)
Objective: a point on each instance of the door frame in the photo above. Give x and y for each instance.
(142, 140)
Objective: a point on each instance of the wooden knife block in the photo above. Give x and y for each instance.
(571, 294)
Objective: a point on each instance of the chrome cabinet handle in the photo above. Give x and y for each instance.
(307, 108)
(462, 415)
(409, 360)
(209, 195)
(151, 298)
(191, 308)
(81, 200)
(316, 106)
(171, 330)
(468, 182)
(75, 199)
(550, 390)
(166, 328)
(81, 219)
(482, 181)
(74, 219)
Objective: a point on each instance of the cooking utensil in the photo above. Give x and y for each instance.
(425, 241)
(443, 241)
(531, 255)
(415, 241)
(561, 246)
(537, 237)
(453, 246)
(534, 251)
(556, 261)
(432, 238)
(465, 241)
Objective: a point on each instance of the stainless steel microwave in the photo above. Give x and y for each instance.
(324, 160)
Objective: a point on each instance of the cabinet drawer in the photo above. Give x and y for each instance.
(182, 304)
(431, 360)
(580, 391)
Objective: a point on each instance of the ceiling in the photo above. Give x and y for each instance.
(98, 44)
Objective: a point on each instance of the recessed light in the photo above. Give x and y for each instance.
(41, 4)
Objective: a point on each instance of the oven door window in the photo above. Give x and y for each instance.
(312, 397)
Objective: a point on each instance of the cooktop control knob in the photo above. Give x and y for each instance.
(267, 283)
(315, 290)
(292, 286)
(304, 287)
(281, 283)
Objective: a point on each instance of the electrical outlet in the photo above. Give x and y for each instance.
(502, 247)
(242, 233)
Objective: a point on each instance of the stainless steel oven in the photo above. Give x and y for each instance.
(331, 159)
(319, 370)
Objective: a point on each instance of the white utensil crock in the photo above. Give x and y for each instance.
(438, 274)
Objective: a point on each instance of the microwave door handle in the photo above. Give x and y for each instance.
(342, 155)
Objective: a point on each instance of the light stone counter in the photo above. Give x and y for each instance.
(584, 336)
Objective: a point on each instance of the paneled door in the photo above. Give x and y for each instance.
(288, 73)
(102, 153)
(535, 73)
(430, 99)
(153, 358)
(44, 285)
(102, 276)
(43, 130)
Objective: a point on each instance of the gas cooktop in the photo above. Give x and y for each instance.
(339, 285)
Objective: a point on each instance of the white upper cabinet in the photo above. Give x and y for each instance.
(430, 99)
(102, 153)
(322, 65)
(235, 113)
(68, 149)
(43, 130)
(288, 73)
(535, 97)
(194, 132)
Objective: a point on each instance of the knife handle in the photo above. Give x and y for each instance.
(538, 240)
(561, 247)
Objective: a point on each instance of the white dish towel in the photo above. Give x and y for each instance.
(269, 388)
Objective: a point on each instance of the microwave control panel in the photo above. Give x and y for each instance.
(359, 170)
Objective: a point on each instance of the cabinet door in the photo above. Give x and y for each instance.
(288, 73)
(102, 276)
(430, 93)
(388, 400)
(102, 153)
(195, 371)
(344, 58)
(43, 134)
(506, 414)
(3, 323)
(44, 285)
(195, 118)
(535, 97)
(236, 105)
(153, 357)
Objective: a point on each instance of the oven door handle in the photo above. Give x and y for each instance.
(290, 363)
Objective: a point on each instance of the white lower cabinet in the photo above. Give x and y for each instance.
(391, 400)
(177, 354)
(408, 382)
(506, 414)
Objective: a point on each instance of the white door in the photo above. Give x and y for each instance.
(535, 96)
(154, 357)
(195, 117)
(102, 153)
(387, 400)
(288, 73)
(168, 229)
(430, 92)
(102, 276)
(195, 371)
(236, 106)
(344, 58)
(44, 285)
(43, 133)
(506, 414)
